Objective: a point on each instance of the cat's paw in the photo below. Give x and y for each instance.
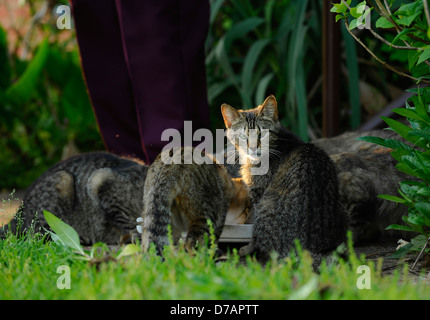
(246, 250)
(192, 241)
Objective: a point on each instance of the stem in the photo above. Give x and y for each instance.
(386, 65)
(387, 15)
(349, 8)
(422, 251)
(387, 6)
(377, 36)
(426, 10)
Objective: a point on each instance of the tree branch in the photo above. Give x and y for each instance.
(386, 65)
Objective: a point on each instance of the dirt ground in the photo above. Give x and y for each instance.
(9, 203)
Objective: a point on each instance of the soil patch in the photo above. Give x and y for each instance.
(9, 204)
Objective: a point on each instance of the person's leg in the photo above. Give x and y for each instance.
(106, 75)
(164, 49)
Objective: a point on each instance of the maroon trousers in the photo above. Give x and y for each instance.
(144, 66)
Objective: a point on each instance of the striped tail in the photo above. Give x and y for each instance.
(157, 217)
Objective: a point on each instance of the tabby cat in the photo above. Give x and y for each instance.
(186, 196)
(366, 170)
(298, 198)
(99, 194)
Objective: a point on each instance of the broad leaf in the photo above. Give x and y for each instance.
(129, 250)
(384, 23)
(66, 233)
(388, 143)
(424, 208)
(392, 198)
(22, 90)
(425, 55)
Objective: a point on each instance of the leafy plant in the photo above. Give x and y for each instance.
(414, 160)
(410, 22)
(64, 234)
(43, 102)
(257, 48)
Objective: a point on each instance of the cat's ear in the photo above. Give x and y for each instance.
(269, 108)
(230, 115)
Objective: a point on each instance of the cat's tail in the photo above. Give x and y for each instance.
(158, 200)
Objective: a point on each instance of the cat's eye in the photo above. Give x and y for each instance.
(243, 136)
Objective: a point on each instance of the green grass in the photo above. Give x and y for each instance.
(29, 271)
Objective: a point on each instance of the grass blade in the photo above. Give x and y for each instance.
(248, 69)
(20, 92)
(262, 86)
(354, 78)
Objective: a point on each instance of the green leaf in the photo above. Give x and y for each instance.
(425, 55)
(129, 250)
(424, 208)
(217, 88)
(388, 143)
(425, 191)
(248, 68)
(400, 228)
(413, 57)
(339, 8)
(21, 91)
(403, 167)
(392, 198)
(263, 84)
(215, 7)
(419, 241)
(241, 29)
(383, 23)
(412, 114)
(354, 78)
(353, 24)
(400, 35)
(416, 220)
(339, 16)
(399, 153)
(5, 69)
(66, 233)
(403, 131)
(409, 12)
(402, 251)
(223, 59)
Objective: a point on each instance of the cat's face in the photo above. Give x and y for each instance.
(250, 130)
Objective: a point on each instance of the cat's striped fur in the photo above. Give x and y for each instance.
(298, 198)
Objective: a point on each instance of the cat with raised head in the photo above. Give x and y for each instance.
(298, 198)
(99, 194)
(185, 194)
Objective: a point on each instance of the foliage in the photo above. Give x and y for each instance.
(44, 106)
(414, 160)
(259, 48)
(254, 48)
(65, 235)
(411, 22)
